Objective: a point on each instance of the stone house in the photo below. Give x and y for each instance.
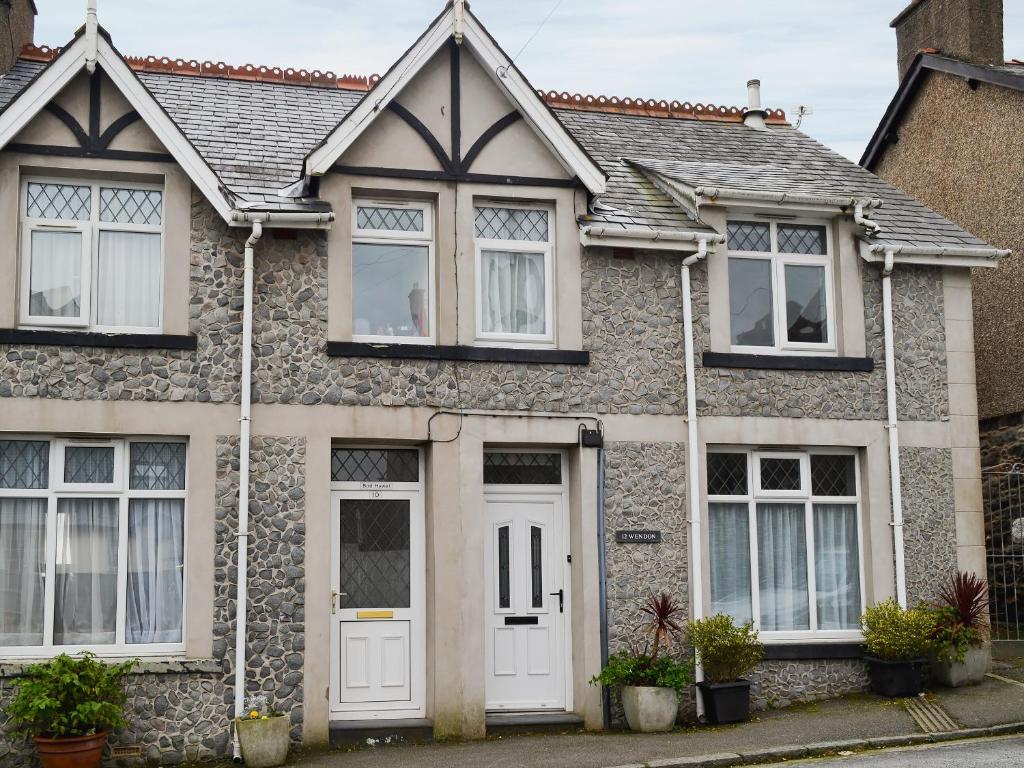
(483, 365)
(945, 139)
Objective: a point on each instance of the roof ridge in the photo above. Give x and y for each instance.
(681, 110)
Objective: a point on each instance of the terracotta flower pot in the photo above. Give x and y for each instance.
(71, 752)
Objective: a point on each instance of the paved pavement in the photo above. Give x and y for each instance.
(983, 753)
(862, 720)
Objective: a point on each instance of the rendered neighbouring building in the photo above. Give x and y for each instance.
(468, 328)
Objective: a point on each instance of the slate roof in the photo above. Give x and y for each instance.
(255, 136)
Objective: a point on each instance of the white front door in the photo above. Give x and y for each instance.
(377, 603)
(527, 600)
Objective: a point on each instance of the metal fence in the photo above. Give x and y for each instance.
(1003, 488)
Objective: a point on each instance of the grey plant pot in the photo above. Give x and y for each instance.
(264, 742)
(970, 671)
(650, 709)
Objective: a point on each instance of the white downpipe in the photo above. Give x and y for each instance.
(241, 600)
(693, 456)
(896, 486)
(860, 217)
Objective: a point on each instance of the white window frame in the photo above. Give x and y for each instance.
(779, 261)
(546, 339)
(806, 497)
(90, 230)
(397, 237)
(57, 489)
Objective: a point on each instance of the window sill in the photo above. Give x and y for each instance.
(38, 337)
(458, 353)
(789, 651)
(156, 665)
(787, 362)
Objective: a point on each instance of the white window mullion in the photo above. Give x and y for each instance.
(812, 590)
(755, 585)
(50, 585)
(122, 571)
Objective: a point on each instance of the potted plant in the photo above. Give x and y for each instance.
(69, 705)
(961, 652)
(727, 652)
(898, 642)
(647, 675)
(263, 734)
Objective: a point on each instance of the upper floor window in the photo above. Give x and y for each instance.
(780, 287)
(514, 257)
(92, 255)
(92, 544)
(784, 540)
(392, 272)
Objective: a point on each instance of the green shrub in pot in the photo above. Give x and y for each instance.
(727, 654)
(70, 704)
(898, 642)
(648, 676)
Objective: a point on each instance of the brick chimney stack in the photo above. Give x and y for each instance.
(17, 25)
(969, 30)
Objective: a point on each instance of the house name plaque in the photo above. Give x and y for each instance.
(638, 537)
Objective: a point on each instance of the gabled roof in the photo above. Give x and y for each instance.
(457, 21)
(1009, 75)
(47, 82)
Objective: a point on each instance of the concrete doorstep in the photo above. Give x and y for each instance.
(823, 749)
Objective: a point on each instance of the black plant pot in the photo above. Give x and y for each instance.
(895, 679)
(726, 702)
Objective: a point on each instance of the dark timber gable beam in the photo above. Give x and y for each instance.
(455, 167)
(91, 143)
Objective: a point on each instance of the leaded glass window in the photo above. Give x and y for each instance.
(375, 465)
(374, 553)
(522, 468)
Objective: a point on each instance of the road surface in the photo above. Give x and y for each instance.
(1000, 752)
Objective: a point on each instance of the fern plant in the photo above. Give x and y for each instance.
(70, 696)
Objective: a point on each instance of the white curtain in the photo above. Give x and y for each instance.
(513, 292)
(836, 566)
(156, 558)
(22, 570)
(782, 567)
(729, 534)
(85, 607)
(55, 279)
(128, 279)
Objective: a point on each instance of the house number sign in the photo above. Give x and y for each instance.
(638, 537)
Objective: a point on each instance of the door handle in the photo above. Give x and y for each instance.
(561, 599)
(335, 594)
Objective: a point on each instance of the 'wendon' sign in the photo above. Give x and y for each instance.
(638, 537)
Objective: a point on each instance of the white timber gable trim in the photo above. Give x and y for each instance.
(502, 71)
(72, 60)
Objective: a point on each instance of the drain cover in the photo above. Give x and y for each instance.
(929, 715)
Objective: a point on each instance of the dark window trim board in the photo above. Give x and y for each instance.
(458, 353)
(787, 362)
(46, 338)
(812, 651)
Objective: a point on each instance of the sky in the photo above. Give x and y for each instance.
(837, 58)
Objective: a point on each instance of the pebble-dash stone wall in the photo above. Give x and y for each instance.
(929, 522)
(276, 573)
(781, 683)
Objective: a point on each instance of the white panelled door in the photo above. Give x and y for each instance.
(377, 605)
(527, 601)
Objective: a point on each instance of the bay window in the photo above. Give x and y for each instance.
(515, 272)
(392, 272)
(780, 287)
(784, 539)
(91, 546)
(92, 255)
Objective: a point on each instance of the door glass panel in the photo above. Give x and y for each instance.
(504, 591)
(536, 569)
(374, 553)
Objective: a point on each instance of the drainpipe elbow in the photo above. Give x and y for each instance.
(702, 252)
(890, 260)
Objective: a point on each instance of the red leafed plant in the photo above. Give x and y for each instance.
(966, 594)
(664, 621)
